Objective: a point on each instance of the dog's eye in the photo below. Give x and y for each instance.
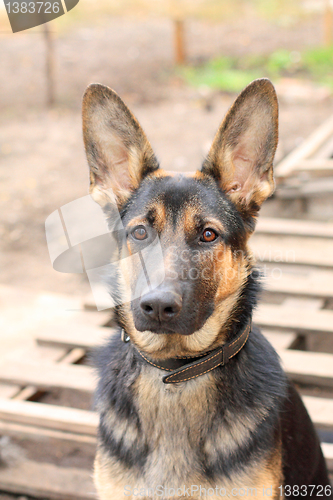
(208, 235)
(140, 233)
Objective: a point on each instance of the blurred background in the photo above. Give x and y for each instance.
(177, 64)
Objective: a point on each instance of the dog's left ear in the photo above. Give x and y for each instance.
(118, 151)
(242, 153)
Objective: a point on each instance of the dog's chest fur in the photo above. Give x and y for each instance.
(188, 434)
(175, 420)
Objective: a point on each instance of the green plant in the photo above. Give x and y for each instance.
(232, 74)
(279, 62)
(228, 79)
(318, 61)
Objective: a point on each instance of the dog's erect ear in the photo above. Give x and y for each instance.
(118, 151)
(242, 152)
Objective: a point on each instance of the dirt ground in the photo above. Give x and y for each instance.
(42, 161)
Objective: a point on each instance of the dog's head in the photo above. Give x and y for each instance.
(191, 230)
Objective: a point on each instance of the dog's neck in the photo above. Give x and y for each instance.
(236, 332)
(182, 369)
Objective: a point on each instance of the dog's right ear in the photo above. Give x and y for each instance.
(118, 151)
(242, 153)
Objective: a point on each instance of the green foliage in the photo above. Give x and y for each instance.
(230, 80)
(274, 9)
(218, 74)
(232, 74)
(319, 61)
(279, 62)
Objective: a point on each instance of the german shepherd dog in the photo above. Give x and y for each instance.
(192, 399)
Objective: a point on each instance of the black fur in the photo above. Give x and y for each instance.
(244, 419)
(253, 381)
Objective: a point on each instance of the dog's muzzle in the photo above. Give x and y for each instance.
(183, 369)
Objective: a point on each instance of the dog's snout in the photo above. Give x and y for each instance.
(160, 305)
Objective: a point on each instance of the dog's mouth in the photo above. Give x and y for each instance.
(161, 329)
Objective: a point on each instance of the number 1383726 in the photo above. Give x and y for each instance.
(33, 7)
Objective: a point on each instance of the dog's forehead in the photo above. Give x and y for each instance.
(179, 194)
(185, 203)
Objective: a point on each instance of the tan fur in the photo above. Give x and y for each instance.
(160, 216)
(169, 428)
(125, 148)
(244, 146)
(229, 286)
(251, 483)
(173, 417)
(172, 449)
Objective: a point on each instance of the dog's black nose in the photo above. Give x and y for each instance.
(161, 305)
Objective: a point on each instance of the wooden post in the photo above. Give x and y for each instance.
(50, 73)
(328, 23)
(180, 53)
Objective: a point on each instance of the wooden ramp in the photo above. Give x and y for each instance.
(306, 174)
(313, 155)
(296, 314)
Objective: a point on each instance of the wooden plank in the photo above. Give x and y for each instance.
(326, 150)
(85, 422)
(57, 483)
(328, 454)
(304, 303)
(66, 358)
(299, 281)
(301, 366)
(328, 23)
(296, 319)
(290, 227)
(320, 410)
(308, 367)
(305, 150)
(40, 434)
(280, 340)
(49, 416)
(35, 354)
(8, 390)
(318, 187)
(88, 341)
(315, 166)
(86, 337)
(328, 450)
(47, 375)
(89, 305)
(45, 480)
(179, 41)
(270, 316)
(26, 393)
(73, 356)
(293, 250)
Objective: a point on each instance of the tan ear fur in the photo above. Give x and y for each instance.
(242, 153)
(118, 152)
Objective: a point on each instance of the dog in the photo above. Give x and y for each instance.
(191, 396)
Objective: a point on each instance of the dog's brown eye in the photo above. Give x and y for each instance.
(208, 235)
(140, 233)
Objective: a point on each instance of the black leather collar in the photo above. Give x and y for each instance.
(184, 368)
